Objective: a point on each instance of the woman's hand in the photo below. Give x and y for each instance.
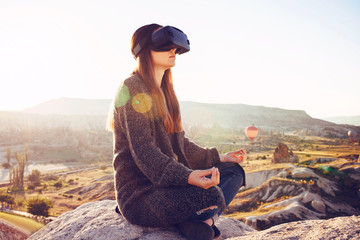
(235, 156)
(198, 178)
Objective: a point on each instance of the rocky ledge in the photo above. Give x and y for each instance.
(98, 220)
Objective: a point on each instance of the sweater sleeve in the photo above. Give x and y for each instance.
(137, 116)
(198, 157)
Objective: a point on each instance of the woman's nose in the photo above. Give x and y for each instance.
(173, 50)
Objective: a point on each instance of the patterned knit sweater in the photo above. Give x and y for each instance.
(151, 181)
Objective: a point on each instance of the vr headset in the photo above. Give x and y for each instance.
(165, 39)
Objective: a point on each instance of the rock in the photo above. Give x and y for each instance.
(106, 178)
(291, 210)
(282, 154)
(308, 197)
(98, 220)
(352, 171)
(89, 187)
(328, 186)
(282, 174)
(319, 206)
(302, 173)
(322, 160)
(254, 179)
(335, 228)
(351, 157)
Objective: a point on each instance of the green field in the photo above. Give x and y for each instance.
(22, 222)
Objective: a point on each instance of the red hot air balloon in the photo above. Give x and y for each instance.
(350, 136)
(251, 132)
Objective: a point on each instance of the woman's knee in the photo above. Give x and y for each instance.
(232, 171)
(230, 167)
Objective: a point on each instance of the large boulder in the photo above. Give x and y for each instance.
(335, 228)
(98, 220)
(282, 154)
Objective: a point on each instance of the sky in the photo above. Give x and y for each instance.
(298, 55)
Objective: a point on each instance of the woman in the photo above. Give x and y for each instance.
(161, 178)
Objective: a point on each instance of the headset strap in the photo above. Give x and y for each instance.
(139, 46)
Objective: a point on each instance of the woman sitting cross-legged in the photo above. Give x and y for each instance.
(163, 179)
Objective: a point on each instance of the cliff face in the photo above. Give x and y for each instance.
(98, 220)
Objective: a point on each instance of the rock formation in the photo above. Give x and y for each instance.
(302, 193)
(282, 154)
(97, 220)
(337, 228)
(256, 178)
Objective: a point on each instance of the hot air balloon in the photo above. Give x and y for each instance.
(251, 132)
(350, 136)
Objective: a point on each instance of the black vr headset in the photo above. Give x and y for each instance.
(165, 39)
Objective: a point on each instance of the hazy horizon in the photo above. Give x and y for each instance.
(109, 99)
(296, 55)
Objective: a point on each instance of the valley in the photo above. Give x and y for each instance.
(74, 156)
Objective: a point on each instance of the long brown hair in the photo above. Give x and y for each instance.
(166, 101)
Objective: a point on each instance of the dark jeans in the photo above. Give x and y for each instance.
(232, 178)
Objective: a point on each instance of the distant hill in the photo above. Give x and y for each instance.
(241, 115)
(352, 120)
(91, 113)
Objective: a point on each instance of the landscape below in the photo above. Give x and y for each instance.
(74, 152)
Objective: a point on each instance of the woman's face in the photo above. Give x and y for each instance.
(164, 60)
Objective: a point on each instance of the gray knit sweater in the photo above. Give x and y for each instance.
(151, 181)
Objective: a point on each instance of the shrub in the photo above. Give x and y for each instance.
(17, 189)
(103, 167)
(67, 195)
(31, 187)
(20, 202)
(58, 184)
(6, 198)
(34, 177)
(39, 206)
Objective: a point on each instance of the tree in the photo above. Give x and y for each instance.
(8, 155)
(39, 206)
(17, 174)
(35, 177)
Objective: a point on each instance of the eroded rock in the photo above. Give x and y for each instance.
(282, 154)
(98, 220)
(319, 206)
(335, 228)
